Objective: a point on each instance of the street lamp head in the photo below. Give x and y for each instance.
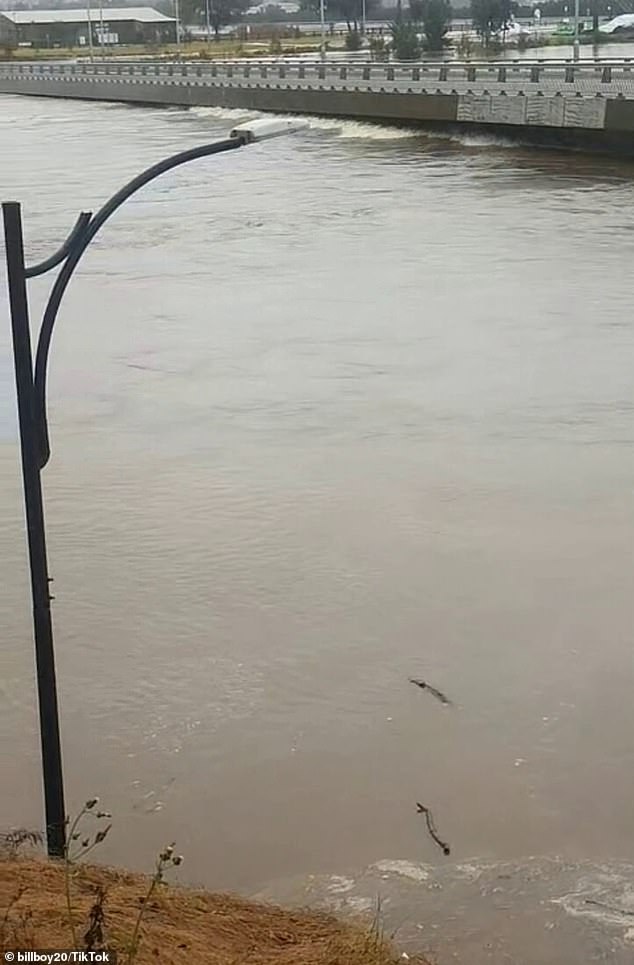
(266, 127)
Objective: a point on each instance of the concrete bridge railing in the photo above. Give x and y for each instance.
(606, 78)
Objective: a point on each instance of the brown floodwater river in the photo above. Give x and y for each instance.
(328, 413)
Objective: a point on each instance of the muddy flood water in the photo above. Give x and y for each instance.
(326, 414)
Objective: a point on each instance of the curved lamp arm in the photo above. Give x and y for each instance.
(43, 266)
(71, 252)
(34, 444)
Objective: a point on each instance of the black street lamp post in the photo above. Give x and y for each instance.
(30, 378)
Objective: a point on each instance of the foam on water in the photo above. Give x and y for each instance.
(224, 113)
(550, 909)
(361, 130)
(357, 130)
(468, 139)
(347, 129)
(407, 869)
(340, 885)
(368, 131)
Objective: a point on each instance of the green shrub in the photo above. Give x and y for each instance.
(378, 48)
(405, 41)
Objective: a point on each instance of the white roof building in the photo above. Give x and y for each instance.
(288, 6)
(111, 14)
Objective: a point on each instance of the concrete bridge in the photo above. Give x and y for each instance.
(588, 104)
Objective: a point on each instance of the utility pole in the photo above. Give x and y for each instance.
(89, 16)
(101, 29)
(575, 49)
(17, 275)
(322, 18)
(177, 16)
(30, 380)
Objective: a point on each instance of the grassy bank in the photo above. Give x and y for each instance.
(179, 925)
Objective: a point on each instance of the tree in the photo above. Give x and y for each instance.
(507, 9)
(349, 10)
(405, 42)
(378, 48)
(221, 12)
(354, 40)
(435, 16)
(491, 16)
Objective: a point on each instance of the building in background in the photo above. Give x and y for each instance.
(8, 34)
(70, 28)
